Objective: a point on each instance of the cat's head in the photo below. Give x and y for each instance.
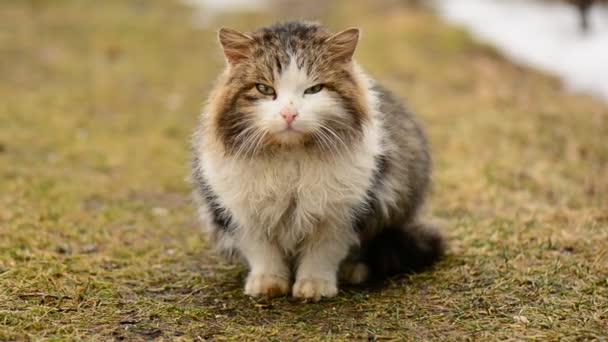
(292, 84)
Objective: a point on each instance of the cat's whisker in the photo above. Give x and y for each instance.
(253, 143)
(320, 140)
(244, 133)
(249, 139)
(260, 142)
(336, 137)
(325, 142)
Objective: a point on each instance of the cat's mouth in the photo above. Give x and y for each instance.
(290, 129)
(289, 136)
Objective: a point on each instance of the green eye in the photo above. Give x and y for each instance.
(314, 89)
(264, 89)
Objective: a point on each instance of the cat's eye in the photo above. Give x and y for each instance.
(264, 89)
(314, 89)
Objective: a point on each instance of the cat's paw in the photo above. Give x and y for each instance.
(314, 289)
(266, 285)
(354, 273)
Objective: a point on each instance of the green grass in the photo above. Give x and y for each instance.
(98, 237)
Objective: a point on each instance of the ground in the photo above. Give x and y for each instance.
(98, 237)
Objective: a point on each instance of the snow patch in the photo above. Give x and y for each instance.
(207, 10)
(544, 35)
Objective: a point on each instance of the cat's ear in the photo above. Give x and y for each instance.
(343, 44)
(236, 45)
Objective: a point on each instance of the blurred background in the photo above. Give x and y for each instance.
(568, 38)
(99, 239)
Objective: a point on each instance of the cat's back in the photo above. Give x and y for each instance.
(399, 122)
(403, 176)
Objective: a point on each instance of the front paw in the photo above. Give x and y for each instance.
(266, 285)
(314, 289)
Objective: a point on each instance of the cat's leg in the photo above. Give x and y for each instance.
(269, 273)
(319, 261)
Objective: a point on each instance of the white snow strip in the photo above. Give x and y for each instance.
(544, 35)
(207, 10)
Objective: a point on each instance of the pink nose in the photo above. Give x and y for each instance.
(289, 114)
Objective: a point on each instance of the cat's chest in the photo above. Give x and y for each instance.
(299, 192)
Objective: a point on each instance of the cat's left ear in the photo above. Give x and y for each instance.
(343, 44)
(236, 45)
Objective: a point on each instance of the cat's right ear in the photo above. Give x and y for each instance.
(236, 45)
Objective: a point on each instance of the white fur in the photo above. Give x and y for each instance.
(259, 192)
(295, 204)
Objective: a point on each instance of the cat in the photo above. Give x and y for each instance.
(307, 168)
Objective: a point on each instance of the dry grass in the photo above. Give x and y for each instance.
(98, 238)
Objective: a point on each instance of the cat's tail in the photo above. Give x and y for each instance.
(406, 249)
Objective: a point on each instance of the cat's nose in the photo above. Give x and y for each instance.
(289, 114)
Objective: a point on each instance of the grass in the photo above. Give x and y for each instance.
(98, 238)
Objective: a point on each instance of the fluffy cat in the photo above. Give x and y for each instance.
(307, 168)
